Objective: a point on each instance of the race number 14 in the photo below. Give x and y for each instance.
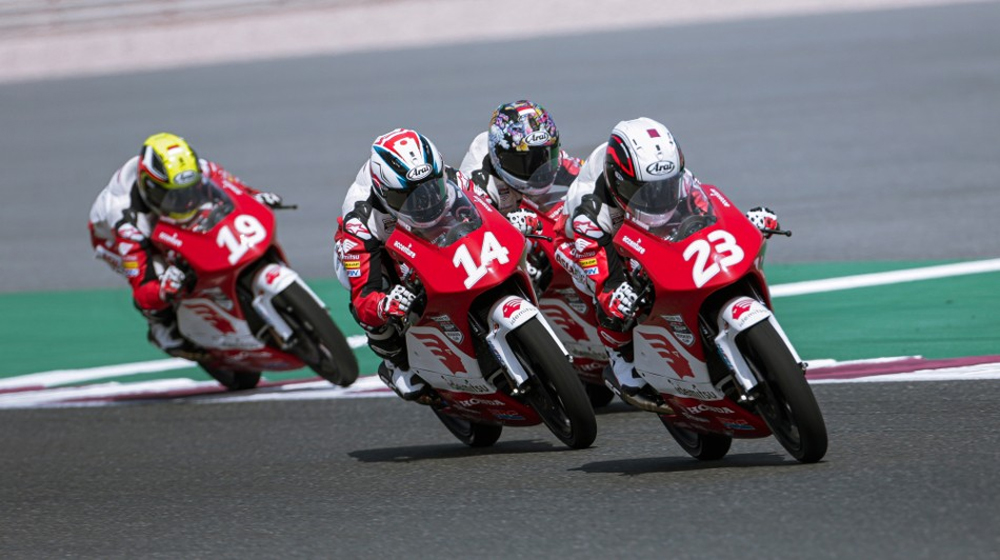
(723, 243)
(492, 250)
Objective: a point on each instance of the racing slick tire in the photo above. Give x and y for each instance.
(318, 341)
(473, 434)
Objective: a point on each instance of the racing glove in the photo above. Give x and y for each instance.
(171, 283)
(622, 303)
(396, 303)
(763, 217)
(525, 221)
(268, 199)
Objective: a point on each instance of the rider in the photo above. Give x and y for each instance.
(519, 157)
(641, 153)
(401, 161)
(159, 184)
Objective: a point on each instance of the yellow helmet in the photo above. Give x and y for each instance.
(168, 175)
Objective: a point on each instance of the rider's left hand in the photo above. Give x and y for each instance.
(268, 199)
(171, 282)
(764, 218)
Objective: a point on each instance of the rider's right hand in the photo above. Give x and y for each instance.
(396, 303)
(171, 283)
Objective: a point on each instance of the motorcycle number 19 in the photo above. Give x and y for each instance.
(251, 232)
(492, 250)
(723, 243)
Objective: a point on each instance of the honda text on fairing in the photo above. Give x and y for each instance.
(242, 303)
(706, 338)
(475, 334)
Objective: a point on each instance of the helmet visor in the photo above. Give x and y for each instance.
(652, 203)
(530, 172)
(183, 203)
(425, 205)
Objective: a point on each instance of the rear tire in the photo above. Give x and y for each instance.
(234, 380)
(473, 434)
(784, 399)
(704, 447)
(599, 395)
(556, 393)
(319, 343)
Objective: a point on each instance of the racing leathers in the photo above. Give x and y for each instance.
(120, 225)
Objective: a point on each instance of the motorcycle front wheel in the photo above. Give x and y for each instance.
(784, 399)
(704, 447)
(472, 434)
(319, 343)
(556, 393)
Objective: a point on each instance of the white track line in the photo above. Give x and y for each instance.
(883, 278)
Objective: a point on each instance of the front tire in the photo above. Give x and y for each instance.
(784, 400)
(556, 393)
(472, 434)
(319, 343)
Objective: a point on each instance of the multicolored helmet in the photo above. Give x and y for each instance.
(408, 177)
(524, 147)
(644, 168)
(169, 176)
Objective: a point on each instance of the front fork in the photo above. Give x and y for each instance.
(507, 314)
(736, 316)
(267, 283)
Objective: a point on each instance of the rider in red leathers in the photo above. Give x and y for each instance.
(401, 161)
(158, 184)
(641, 153)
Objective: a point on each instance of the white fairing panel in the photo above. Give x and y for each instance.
(207, 324)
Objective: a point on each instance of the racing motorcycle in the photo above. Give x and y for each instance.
(706, 338)
(474, 333)
(241, 302)
(572, 317)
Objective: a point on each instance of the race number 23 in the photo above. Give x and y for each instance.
(492, 250)
(720, 242)
(250, 231)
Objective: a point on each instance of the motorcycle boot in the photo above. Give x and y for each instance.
(406, 384)
(620, 376)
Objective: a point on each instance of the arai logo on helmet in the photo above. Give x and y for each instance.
(419, 172)
(185, 177)
(537, 138)
(660, 167)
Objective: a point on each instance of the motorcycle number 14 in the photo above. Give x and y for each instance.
(724, 244)
(492, 250)
(251, 232)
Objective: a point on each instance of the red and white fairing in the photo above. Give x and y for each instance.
(669, 352)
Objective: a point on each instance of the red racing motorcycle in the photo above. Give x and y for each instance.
(572, 317)
(242, 302)
(706, 339)
(475, 334)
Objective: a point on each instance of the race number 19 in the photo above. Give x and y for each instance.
(250, 231)
(492, 251)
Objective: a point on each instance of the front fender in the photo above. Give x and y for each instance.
(736, 316)
(268, 283)
(507, 314)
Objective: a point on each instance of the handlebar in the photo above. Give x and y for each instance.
(285, 207)
(536, 236)
(770, 232)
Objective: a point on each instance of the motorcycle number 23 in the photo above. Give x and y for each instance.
(705, 267)
(491, 251)
(250, 232)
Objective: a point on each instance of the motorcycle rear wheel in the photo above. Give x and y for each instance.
(319, 344)
(704, 447)
(556, 393)
(234, 380)
(599, 395)
(785, 401)
(473, 434)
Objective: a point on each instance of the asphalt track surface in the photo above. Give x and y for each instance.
(873, 135)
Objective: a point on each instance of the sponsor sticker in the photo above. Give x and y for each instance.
(352, 264)
(588, 262)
